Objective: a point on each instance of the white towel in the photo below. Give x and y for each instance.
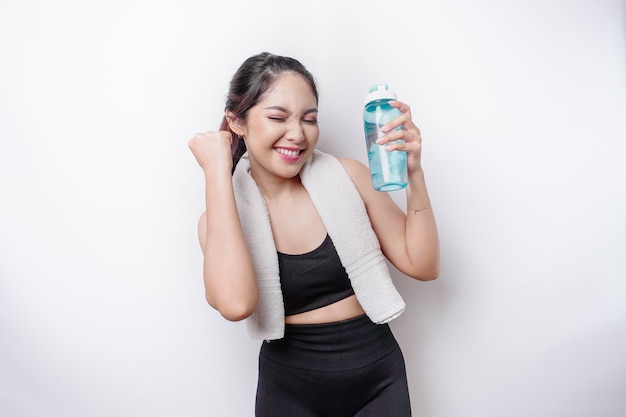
(343, 212)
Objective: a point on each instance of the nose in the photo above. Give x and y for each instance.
(295, 133)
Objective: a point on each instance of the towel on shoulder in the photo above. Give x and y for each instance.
(343, 212)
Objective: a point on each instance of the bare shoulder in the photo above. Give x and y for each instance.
(360, 175)
(357, 170)
(375, 201)
(351, 163)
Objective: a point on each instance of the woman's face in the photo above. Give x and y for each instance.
(281, 131)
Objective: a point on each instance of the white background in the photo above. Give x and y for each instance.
(522, 105)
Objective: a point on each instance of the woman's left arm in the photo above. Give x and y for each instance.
(409, 240)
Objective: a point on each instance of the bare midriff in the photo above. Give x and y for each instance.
(341, 310)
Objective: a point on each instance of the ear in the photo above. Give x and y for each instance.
(235, 123)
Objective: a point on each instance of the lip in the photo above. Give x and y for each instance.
(289, 157)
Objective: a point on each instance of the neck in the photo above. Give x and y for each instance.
(275, 188)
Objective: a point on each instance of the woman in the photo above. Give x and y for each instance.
(293, 241)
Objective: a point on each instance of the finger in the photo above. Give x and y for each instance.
(403, 107)
(407, 135)
(405, 119)
(399, 121)
(408, 147)
(193, 142)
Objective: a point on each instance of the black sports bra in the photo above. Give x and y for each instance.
(314, 279)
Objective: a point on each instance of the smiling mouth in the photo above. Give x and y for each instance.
(289, 152)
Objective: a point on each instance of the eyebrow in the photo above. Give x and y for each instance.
(279, 108)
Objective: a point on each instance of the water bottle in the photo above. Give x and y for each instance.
(388, 168)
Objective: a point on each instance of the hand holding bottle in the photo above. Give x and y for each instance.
(385, 152)
(408, 138)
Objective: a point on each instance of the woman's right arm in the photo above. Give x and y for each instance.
(229, 279)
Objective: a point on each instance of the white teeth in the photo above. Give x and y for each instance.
(287, 152)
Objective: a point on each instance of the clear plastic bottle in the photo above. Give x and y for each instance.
(388, 168)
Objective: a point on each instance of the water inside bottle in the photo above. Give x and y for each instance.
(387, 168)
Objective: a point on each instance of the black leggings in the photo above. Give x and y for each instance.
(351, 368)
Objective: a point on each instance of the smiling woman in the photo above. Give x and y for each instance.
(283, 124)
(295, 241)
(521, 106)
